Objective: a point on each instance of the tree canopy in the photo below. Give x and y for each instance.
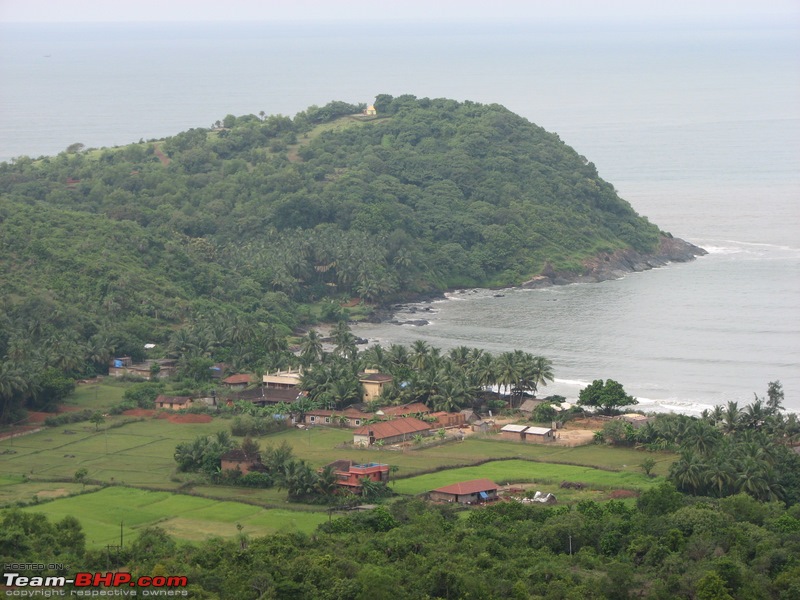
(217, 240)
(606, 396)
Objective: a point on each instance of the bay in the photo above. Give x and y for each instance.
(696, 124)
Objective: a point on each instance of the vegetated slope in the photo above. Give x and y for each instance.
(257, 215)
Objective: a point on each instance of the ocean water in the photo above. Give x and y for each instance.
(696, 125)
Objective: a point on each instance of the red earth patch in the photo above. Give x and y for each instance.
(189, 418)
(619, 494)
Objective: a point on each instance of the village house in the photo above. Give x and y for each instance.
(481, 426)
(539, 435)
(513, 432)
(466, 492)
(390, 432)
(373, 383)
(448, 419)
(238, 381)
(238, 460)
(470, 416)
(349, 474)
(370, 111)
(124, 365)
(348, 417)
(528, 406)
(282, 380)
(406, 410)
(173, 402)
(525, 433)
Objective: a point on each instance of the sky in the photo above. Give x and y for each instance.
(401, 10)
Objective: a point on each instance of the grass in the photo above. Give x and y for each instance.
(97, 396)
(140, 454)
(188, 518)
(516, 471)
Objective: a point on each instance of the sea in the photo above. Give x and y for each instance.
(696, 124)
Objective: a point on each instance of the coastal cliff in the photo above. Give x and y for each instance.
(613, 265)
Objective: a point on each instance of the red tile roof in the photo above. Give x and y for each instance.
(237, 379)
(351, 413)
(468, 487)
(376, 377)
(386, 429)
(406, 409)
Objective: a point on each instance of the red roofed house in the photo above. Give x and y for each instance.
(173, 402)
(349, 417)
(466, 492)
(238, 381)
(390, 432)
(349, 474)
(415, 408)
(373, 384)
(238, 460)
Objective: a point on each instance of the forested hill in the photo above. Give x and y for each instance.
(258, 216)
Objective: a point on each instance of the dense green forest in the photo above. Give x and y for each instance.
(665, 546)
(260, 224)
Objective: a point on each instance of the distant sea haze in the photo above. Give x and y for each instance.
(698, 128)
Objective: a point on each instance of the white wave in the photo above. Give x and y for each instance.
(573, 382)
(672, 405)
(722, 249)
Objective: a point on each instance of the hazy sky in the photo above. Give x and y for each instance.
(428, 10)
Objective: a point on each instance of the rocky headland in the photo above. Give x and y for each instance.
(613, 265)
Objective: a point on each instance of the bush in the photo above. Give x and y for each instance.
(143, 395)
(71, 417)
(256, 480)
(245, 425)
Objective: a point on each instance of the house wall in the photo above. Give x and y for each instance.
(232, 465)
(532, 438)
(442, 497)
(371, 390)
(361, 440)
(514, 436)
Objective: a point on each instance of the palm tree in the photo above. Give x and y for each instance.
(311, 348)
(542, 372)
(326, 480)
(344, 340)
(508, 371)
(720, 477)
(12, 383)
(688, 472)
(483, 372)
(420, 355)
(460, 355)
(755, 414)
(731, 418)
(700, 437)
(375, 357)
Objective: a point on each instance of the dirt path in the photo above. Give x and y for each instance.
(165, 160)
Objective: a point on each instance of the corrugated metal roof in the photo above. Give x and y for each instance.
(538, 430)
(515, 428)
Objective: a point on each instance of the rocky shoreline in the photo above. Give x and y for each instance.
(614, 265)
(603, 267)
